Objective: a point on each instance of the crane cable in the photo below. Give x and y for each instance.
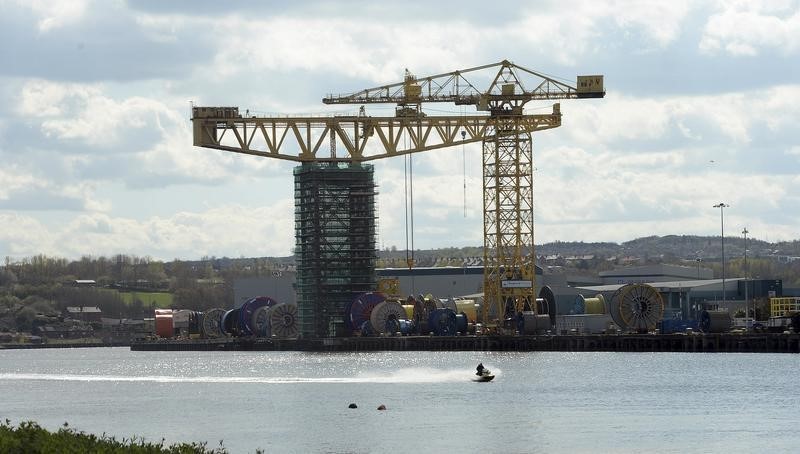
(408, 199)
(405, 201)
(464, 171)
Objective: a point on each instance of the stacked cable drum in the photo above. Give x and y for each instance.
(371, 313)
(260, 316)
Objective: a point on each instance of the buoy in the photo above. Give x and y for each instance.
(352, 406)
(382, 407)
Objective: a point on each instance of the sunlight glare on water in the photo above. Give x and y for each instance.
(548, 402)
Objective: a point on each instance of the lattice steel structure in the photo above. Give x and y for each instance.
(335, 225)
(509, 265)
(502, 125)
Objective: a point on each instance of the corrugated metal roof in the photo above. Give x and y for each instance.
(650, 270)
(83, 309)
(662, 285)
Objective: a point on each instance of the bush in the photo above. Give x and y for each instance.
(24, 319)
(30, 438)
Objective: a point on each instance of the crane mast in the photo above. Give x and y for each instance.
(501, 125)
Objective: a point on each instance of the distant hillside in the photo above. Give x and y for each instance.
(687, 247)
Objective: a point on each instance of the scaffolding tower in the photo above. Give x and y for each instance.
(335, 225)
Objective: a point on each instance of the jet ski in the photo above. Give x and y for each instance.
(485, 375)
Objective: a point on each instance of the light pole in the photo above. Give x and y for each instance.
(722, 207)
(698, 267)
(745, 232)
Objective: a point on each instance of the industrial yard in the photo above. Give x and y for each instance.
(340, 302)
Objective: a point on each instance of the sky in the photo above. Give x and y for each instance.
(702, 106)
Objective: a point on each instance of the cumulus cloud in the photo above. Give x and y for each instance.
(748, 28)
(184, 234)
(52, 14)
(733, 116)
(147, 134)
(95, 129)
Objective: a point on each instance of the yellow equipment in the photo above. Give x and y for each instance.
(502, 126)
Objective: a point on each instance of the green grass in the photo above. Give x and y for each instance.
(161, 300)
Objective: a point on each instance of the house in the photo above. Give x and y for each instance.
(84, 283)
(84, 313)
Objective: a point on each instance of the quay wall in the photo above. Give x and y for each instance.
(694, 343)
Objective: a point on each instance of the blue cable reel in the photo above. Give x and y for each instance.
(442, 322)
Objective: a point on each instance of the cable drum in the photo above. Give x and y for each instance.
(406, 326)
(385, 317)
(248, 310)
(530, 322)
(641, 307)
(211, 323)
(613, 308)
(283, 320)
(362, 307)
(259, 321)
(595, 306)
(366, 329)
(448, 303)
(715, 321)
(230, 322)
(442, 322)
(467, 307)
(548, 303)
(422, 311)
(164, 323)
(462, 323)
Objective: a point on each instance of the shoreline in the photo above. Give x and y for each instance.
(691, 343)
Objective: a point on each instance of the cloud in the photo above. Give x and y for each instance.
(142, 141)
(733, 117)
(184, 234)
(53, 14)
(97, 144)
(744, 29)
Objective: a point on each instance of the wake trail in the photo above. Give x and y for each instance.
(412, 375)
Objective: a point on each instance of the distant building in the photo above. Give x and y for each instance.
(65, 331)
(279, 285)
(84, 283)
(84, 313)
(654, 273)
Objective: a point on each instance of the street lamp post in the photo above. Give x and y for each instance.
(746, 303)
(722, 207)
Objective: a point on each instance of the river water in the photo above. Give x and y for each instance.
(293, 402)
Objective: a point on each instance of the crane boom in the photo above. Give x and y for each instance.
(454, 87)
(363, 138)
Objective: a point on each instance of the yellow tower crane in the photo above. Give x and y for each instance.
(500, 124)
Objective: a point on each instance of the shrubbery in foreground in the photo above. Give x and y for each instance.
(30, 438)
